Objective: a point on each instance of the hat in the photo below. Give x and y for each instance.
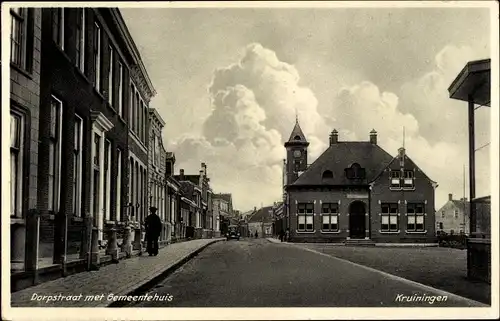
(153, 209)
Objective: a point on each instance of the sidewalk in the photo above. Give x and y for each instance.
(122, 278)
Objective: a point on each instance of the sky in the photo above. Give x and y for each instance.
(230, 81)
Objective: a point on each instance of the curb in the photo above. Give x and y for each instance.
(149, 284)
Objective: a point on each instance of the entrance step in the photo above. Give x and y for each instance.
(359, 242)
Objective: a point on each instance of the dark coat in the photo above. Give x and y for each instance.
(153, 225)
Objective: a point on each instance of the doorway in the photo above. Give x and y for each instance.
(357, 222)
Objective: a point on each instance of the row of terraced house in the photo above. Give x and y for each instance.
(86, 156)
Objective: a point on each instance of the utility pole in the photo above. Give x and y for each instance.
(464, 205)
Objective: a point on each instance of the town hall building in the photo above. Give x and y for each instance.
(356, 192)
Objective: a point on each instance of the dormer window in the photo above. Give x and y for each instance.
(395, 179)
(405, 181)
(355, 172)
(327, 174)
(297, 137)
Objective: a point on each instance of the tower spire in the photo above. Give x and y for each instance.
(296, 116)
(403, 136)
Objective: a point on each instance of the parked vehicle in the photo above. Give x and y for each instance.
(233, 233)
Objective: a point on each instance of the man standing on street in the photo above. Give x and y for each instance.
(153, 229)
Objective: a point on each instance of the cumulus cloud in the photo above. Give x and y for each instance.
(254, 105)
(435, 126)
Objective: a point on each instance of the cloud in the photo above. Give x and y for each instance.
(435, 125)
(254, 103)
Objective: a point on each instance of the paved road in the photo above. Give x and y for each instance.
(258, 273)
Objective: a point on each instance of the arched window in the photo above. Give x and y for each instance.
(355, 171)
(297, 137)
(327, 174)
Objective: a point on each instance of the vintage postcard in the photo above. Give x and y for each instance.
(250, 160)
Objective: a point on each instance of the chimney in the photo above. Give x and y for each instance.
(401, 154)
(201, 178)
(255, 208)
(450, 197)
(181, 176)
(373, 137)
(334, 137)
(204, 168)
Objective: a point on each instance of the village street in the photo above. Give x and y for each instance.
(260, 273)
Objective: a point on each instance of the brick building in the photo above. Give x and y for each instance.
(173, 198)
(453, 216)
(203, 217)
(356, 192)
(157, 172)
(25, 59)
(261, 221)
(79, 113)
(222, 204)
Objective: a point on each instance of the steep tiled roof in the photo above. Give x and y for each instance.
(187, 189)
(297, 135)
(262, 214)
(227, 197)
(342, 155)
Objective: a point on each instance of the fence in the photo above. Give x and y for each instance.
(457, 241)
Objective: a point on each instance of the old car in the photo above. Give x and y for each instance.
(233, 233)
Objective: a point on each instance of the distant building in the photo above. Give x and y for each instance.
(453, 216)
(222, 204)
(261, 221)
(356, 192)
(157, 186)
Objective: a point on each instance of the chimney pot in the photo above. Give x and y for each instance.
(373, 137)
(334, 137)
(450, 197)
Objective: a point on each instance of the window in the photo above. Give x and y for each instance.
(305, 212)
(97, 57)
(456, 213)
(119, 185)
(415, 215)
(110, 76)
(441, 225)
(17, 35)
(355, 172)
(107, 179)
(154, 150)
(131, 107)
(408, 181)
(442, 214)
(330, 214)
(54, 183)
(21, 37)
(389, 217)
(297, 137)
(77, 167)
(80, 40)
(58, 26)
(395, 179)
(327, 174)
(120, 88)
(16, 143)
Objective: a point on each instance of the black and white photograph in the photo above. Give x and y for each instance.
(250, 160)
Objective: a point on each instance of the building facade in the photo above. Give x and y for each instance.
(174, 195)
(79, 90)
(25, 64)
(261, 222)
(157, 173)
(223, 210)
(453, 216)
(356, 192)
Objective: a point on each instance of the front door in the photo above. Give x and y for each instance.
(357, 223)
